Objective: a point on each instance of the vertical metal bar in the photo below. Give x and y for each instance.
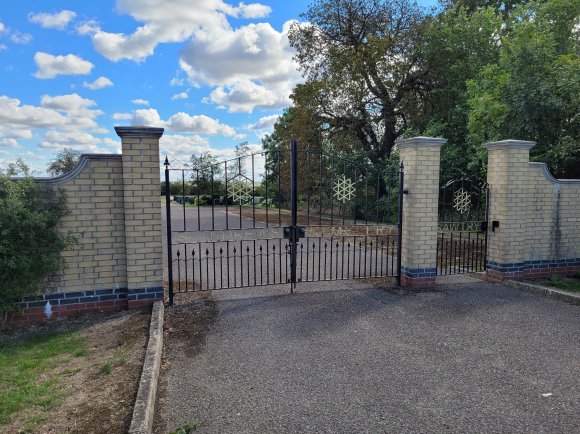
(241, 263)
(183, 195)
(308, 156)
(212, 210)
(198, 203)
(450, 258)
(366, 198)
(226, 196)
(185, 267)
(253, 197)
(168, 234)
(254, 263)
(193, 267)
(267, 196)
(320, 196)
(214, 279)
(294, 211)
(331, 194)
(178, 271)
(228, 261)
(268, 262)
(400, 223)
(378, 192)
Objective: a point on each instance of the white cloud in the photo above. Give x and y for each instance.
(3, 47)
(9, 142)
(180, 95)
(57, 20)
(122, 116)
(252, 65)
(21, 38)
(99, 83)
(180, 122)
(264, 123)
(2, 27)
(50, 66)
(89, 27)
(72, 104)
(245, 96)
(61, 120)
(198, 124)
(140, 101)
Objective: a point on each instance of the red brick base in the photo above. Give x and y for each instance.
(418, 282)
(530, 273)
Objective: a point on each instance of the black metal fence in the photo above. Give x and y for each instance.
(281, 216)
(462, 237)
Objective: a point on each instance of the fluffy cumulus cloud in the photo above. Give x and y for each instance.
(180, 95)
(60, 120)
(50, 66)
(264, 123)
(99, 83)
(59, 20)
(140, 101)
(251, 66)
(180, 122)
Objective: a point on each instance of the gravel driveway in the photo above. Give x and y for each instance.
(344, 357)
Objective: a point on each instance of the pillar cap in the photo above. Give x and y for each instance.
(420, 141)
(140, 131)
(511, 143)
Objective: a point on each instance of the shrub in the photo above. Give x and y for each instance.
(30, 244)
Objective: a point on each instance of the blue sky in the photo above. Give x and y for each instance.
(212, 73)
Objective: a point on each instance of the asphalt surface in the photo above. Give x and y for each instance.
(342, 357)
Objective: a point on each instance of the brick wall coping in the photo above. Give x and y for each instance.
(511, 143)
(83, 161)
(420, 141)
(546, 172)
(139, 131)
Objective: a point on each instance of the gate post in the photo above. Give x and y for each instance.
(421, 157)
(143, 243)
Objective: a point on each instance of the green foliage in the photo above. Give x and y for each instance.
(533, 91)
(30, 244)
(185, 429)
(64, 162)
(207, 172)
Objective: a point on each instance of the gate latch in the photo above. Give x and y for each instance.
(300, 232)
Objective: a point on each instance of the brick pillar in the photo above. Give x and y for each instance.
(140, 149)
(507, 176)
(421, 157)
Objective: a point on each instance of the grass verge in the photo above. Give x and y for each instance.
(27, 375)
(571, 284)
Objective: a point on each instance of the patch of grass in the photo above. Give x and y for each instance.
(106, 368)
(120, 356)
(25, 370)
(565, 283)
(185, 429)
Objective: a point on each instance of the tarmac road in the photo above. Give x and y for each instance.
(342, 357)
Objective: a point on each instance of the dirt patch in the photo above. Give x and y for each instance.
(93, 401)
(185, 327)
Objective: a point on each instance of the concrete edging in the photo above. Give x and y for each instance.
(544, 290)
(144, 408)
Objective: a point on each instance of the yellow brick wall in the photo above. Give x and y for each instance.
(140, 149)
(94, 191)
(420, 156)
(539, 216)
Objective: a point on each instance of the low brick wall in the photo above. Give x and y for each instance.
(115, 215)
(538, 215)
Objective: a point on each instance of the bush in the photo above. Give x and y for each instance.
(30, 244)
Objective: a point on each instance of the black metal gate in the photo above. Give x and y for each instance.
(280, 216)
(462, 234)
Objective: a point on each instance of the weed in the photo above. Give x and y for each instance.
(185, 429)
(70, 372)
(106, 368)
(120, 356)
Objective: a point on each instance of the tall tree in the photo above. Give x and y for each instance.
(363, 68)
(206, 173)
(64, 162)
(533, 91)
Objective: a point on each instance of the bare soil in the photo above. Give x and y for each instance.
(94, 402)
